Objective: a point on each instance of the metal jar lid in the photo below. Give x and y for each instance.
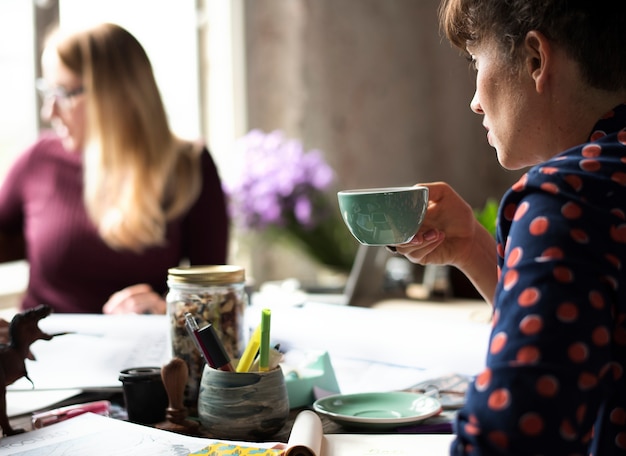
(207, 275)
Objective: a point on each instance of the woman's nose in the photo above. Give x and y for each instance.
(475, 104)
(48, 108)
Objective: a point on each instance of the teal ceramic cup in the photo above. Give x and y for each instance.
(383, 216)
(242, 405)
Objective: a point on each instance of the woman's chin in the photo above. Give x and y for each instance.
(70, 144)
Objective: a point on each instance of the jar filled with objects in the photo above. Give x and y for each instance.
(212, 295)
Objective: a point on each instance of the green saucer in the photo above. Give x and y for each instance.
(378, 410)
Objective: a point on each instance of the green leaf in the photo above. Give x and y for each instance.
(488, 215)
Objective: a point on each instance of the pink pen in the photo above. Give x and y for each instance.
(49, 417)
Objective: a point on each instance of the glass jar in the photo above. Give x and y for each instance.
(212, 295)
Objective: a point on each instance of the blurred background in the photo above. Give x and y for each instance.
(372, 84)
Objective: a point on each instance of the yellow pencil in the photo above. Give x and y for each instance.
(250, 352)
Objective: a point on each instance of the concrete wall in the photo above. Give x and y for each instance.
(374, 85)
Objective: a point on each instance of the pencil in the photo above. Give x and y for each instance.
(250, 352)
(264, 348)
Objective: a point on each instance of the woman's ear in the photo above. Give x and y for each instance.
(538, 58)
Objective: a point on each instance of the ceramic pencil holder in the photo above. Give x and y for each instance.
(242, 405)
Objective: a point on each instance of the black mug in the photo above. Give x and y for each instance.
(144, 394)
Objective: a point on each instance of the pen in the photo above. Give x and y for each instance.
(250, 352)
(43, 419)
(214, 351)
(264, 348)
(192, 329)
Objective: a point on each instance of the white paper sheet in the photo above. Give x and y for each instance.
(378, 349)
(95, 352)
(94, 435)
(307, 439)
(21, 402)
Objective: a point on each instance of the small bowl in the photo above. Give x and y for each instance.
(384, 216)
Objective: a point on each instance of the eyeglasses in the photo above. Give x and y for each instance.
(62, 96)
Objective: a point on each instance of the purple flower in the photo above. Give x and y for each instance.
(280, 183)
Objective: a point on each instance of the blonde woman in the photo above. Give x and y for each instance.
(110, 199)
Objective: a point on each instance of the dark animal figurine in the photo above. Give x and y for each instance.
(23, 331)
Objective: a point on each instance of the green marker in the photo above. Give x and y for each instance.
(264, 349)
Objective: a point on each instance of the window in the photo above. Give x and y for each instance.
(18, 109)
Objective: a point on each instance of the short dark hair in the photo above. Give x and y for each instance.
(592, 32)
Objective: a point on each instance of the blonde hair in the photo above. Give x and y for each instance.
(137, 174)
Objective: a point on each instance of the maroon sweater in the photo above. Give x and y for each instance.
(71, 268)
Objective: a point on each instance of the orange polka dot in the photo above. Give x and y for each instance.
(531, 324)
(618, 233)
(579, 235)
(499, 399)
(520, 211)
(551, 253)
(605, 370)
(567, 312)
(508, 211)
(571, 210)
(620, 440)
(498, 439)
(528, 355)
(591, 151)
(610, 281)
(471, 429)
(531, 423)
(483, 380)
(597, 135)
(619, 177)
(567, 431)
(549, 187)
(510, 279)
(563, 274)
(547, 386)
(615, 261)
(520, 184)
(587, 380)
(618, 371)
(578, 352)
(601, 336)
(575, 181)
(539, 226)
(618, 416)
(596, 299)
(514, 257)
(495, 317)
(621, 137)
(609, 115)
(590, 165)
(528, 297)
(500, 250)
(548, 170)
(617, 212)
(497, 343)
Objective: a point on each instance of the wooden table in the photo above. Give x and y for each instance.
(329, 426)
(464, 310)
